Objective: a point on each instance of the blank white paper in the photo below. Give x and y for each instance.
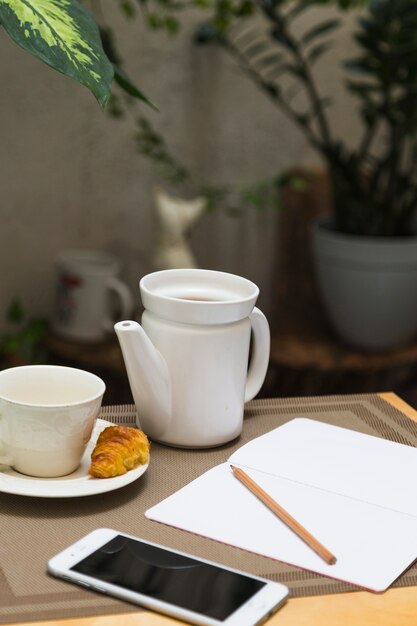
(353, 492)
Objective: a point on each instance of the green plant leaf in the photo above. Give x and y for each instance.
(323, 28)
(317, 52)
(296, 70)
(65, 36)
(15, 312)
(126, 84)
(271, 58)
(297, 8)
(128, 9)
(255, 48)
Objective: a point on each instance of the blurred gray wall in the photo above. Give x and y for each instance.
(70, 175)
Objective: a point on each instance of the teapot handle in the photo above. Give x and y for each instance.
(260, 353)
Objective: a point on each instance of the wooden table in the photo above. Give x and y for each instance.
(395, 607)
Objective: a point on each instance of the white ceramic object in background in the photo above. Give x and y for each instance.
(175, 218)
(188, 362)
(47, 415)
(85, 283)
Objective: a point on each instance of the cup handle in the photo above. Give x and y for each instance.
(125, 298)
(4, 460)
(261, 345)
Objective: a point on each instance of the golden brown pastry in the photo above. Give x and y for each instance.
(118, 450)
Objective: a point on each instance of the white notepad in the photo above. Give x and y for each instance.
(355, 493)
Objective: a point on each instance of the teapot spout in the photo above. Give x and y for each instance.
(148, 378)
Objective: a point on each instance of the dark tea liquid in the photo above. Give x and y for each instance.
(197, 299)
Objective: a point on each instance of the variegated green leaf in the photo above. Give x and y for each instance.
(62, 34)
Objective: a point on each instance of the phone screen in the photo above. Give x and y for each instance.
(169, 577)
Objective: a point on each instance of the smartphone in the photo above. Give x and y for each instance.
(171, 582)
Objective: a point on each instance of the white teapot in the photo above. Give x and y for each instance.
(188, 363)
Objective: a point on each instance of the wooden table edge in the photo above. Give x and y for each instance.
(394, 607)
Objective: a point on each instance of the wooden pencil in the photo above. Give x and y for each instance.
(284, 516)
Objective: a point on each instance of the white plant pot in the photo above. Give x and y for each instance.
(368, 286)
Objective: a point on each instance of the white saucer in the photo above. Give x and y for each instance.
(79, 483)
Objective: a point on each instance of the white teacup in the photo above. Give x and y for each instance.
(47, 414)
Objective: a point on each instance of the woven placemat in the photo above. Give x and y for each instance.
(34, 529)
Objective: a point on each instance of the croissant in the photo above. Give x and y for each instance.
(118, 450)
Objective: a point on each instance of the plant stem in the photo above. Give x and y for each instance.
(365, 144)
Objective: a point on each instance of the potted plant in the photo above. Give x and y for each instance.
(366, 253)
(24, 341)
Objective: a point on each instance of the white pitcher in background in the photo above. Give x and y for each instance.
(87, 286)
(188, 362)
